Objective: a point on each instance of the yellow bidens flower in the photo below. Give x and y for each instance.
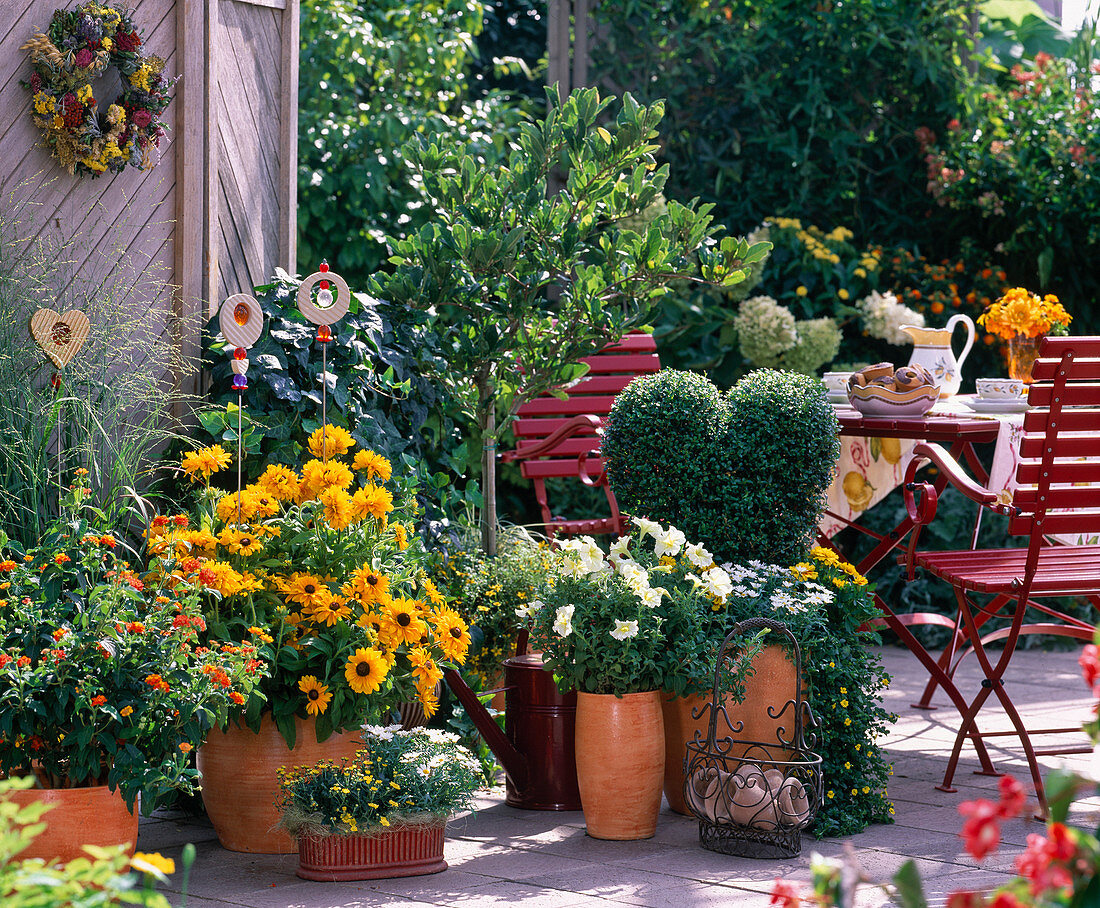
(205, 461)
(330, 441)
(317, 694)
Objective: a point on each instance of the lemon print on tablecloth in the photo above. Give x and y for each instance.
(857, 490)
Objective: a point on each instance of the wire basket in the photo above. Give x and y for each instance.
(753, 798)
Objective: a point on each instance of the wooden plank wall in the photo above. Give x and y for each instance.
(216, 215)
(128, 218)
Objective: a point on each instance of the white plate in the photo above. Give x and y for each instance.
(996, 406)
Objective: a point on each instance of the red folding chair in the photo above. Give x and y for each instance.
(1058, 493)
(557, 438)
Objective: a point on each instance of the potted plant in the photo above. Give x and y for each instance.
(383, 813)
(318, 569)
(620, 627)
(104, 687)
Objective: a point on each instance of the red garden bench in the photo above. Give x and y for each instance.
(560, 439)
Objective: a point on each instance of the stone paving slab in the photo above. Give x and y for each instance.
(502, 856)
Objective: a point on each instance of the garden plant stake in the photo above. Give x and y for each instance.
(241, 321)
(324, 312)
(59, 336)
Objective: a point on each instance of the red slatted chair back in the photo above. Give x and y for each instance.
(1058, 475)
(609, 371)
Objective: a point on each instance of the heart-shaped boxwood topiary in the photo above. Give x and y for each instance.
(744, 473)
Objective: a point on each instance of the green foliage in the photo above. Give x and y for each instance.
(1021, 167)
(824, 603)
(97, 881)
(373, 74)
(794, 108)
(400, 777)
(528, 283)
(100, 680)
(112, 409)
(745, 473)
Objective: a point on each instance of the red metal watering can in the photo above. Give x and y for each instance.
(536, 747)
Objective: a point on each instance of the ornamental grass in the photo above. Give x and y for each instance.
(319, 569)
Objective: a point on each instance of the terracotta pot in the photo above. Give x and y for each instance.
(772, 685)
(620, 763)
(240, 785)
(404, 851)
(79, 817)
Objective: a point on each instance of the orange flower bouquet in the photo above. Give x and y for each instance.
(317, 567)
(1021, 312)
(1022, 318)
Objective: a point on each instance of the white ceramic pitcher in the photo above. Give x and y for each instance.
(932, 349)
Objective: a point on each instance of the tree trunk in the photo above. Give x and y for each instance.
(489, 479)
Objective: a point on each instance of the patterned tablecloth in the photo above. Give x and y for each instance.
(870, 468)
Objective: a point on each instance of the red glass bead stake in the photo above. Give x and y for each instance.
(60, 337)
(326, 310)
(241, 321)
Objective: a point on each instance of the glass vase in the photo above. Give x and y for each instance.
(1022, 353)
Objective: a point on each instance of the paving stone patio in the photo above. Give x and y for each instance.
(499, 855)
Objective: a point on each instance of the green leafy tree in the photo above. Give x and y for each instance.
(530, 283)
(373, 74)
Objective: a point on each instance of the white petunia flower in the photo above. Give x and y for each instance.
(647, 527)
(718, 583)
(620, 549)
(563, 620)
(699, 556)
(634, 574)
(529, 610)
(668, 542)
(651, 597)
(624, 630)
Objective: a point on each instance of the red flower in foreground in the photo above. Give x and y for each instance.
(1013, 798)
(981, 833)
(785, 894)
(98, 700)
(1089, 662)
(965, 899)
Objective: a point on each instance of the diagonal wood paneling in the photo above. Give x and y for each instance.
(247, 128)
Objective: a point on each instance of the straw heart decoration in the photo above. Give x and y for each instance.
(60, 336)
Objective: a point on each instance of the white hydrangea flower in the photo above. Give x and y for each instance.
(698, 555)
(624, 630)
(883, 317)
(718, 583)
(647, 527)
(668, 542)
(563, 620)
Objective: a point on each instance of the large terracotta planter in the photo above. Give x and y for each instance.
(404, 851)
(240, 784)
(79, 817)
(620, 763)
(771, 686)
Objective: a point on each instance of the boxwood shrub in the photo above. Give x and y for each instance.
(744, 473)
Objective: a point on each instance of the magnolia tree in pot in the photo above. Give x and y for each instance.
(530, 282)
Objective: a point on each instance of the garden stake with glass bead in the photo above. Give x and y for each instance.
(241, 321)
(60, 337)
(323, 313)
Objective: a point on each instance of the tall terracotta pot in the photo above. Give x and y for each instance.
(620, 763)
(78, 817)
(240, 782)
(772, 685)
